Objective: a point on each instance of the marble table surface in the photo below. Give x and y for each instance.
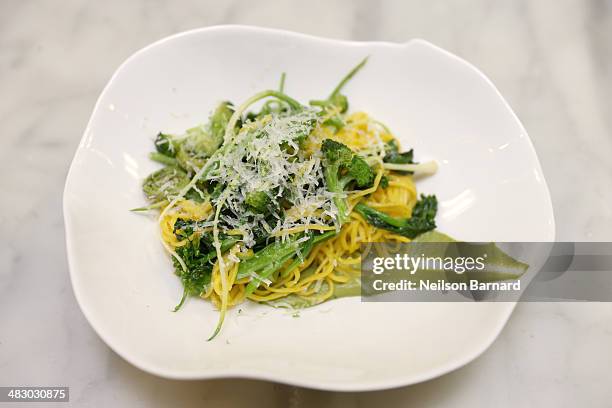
(552, 59)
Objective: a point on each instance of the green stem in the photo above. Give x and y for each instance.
(281, 86)
(274, 256)
(177, 307)
(229, 131)
(368, 212)
(150, 207)
(342, 208)
(163, 159)
(266, 273)
(348, 77)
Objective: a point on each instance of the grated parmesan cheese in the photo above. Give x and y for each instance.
(265, 156)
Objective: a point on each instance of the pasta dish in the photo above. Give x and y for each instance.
(271, 200)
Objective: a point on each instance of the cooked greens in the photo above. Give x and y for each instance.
(422, 219)
(165, 182)
(341, 168)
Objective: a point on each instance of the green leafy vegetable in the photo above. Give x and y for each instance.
(219, 120)
(359, 172)
(404, 162)
(341, 168)
(384, 182)
(198, 256)
(267, 261)
(196, 148)
(163, 159)
(191, 150)
(258, 201)
(336, 100)
(164, 183)
(392, 155)
(422, 219)
(165, 144)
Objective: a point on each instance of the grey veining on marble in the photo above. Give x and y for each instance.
(552, 60)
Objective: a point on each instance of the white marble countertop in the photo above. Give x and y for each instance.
(551, 59)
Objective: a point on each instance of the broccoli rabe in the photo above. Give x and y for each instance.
(257, 201)
(198, 256)
(422, 219)
(341, 168)
(336, 100)
(393, 155)
(192, 149)
(196, 148)
(403, 162)
(202, 141)
(164, 183)
(163, 159)
(270, 259)
(166, 144)
(359, 172)
(219, 120)
(384, 182)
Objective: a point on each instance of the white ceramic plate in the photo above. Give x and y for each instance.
(490, 186)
